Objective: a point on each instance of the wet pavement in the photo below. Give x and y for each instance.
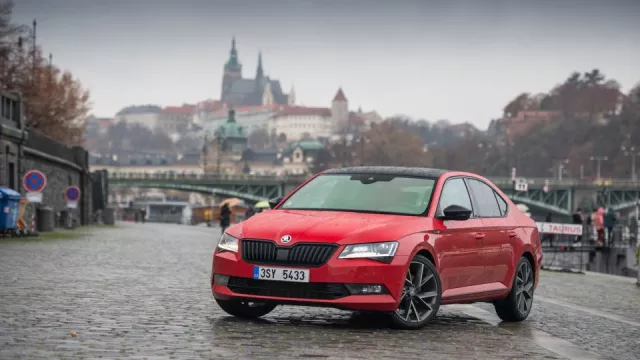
(142, 291)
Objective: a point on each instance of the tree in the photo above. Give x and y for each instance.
(258, 139)
(516, 105)
(322, 161)
(55, 103)
(384, 144)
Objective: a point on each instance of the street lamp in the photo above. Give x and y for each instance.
(598, 160)
(631, 151)
(560, 168)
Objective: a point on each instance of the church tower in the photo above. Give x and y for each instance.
(232, 71)
(339, 112)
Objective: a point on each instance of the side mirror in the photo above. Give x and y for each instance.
(456, 213)
(275, 201)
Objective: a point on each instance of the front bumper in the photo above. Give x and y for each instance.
(334, 284)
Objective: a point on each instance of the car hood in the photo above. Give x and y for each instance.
(328, 226)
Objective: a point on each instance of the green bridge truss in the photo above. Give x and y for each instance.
(561, 198)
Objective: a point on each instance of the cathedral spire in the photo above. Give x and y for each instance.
(259, 71)
(233, 63)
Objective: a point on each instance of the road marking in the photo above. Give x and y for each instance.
(588, 310)
(550, 342)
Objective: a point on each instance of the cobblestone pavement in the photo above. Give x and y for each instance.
(142, 291)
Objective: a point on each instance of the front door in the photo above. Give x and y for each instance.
(459, 245)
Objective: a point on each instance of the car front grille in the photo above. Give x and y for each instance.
(302, 254)
(285, 289)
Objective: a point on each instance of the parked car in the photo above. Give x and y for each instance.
(400, 241)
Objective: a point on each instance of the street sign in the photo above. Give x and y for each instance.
(72, 194)
(34, 181)
(34, 197)
(513, 174)
(521, 185)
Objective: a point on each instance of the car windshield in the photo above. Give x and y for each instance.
(364, 193)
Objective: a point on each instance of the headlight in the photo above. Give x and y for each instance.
(228, 242)
(383, 251)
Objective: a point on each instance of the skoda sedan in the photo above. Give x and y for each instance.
(399, 241)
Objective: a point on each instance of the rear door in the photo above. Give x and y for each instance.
(498, 231)
(460, 252)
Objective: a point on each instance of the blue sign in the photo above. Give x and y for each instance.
(34, 181)
(72, 193)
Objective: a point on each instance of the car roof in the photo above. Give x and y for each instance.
(390, 170)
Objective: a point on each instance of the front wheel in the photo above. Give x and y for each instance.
(517, 305)
(245, 309)
(421, 296)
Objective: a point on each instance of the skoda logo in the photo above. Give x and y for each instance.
(285, 239)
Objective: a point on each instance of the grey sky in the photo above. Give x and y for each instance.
(456, 60)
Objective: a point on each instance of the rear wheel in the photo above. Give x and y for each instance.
(245, 309)
(420, 299)
(517, 305)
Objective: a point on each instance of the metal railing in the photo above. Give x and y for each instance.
(538, 182)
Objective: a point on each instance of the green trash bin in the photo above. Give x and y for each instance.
(9, 209)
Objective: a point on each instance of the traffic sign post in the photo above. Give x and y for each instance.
(521, 185)
(72, 194)
(34, 182)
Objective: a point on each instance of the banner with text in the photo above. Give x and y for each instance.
(560, 229)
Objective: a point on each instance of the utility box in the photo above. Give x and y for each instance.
(9, 209)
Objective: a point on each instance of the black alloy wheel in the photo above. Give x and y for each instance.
(517, 305)
(421, 295)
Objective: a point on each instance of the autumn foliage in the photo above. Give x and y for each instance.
(55, 103)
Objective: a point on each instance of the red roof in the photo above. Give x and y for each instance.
(209, 105)
(223, 110)
(303, 111)
(355, 119)
(185, 109)
(340, 96)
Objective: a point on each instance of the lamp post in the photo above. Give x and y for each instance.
(598, 160)
(631, 151)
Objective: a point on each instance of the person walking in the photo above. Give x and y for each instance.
(598, 222)
(225, 217)
(578, 219)
(250, 212)
(610, 220)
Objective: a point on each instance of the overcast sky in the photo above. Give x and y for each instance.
(456, 60)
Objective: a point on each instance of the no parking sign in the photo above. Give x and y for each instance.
(72, 194)
(34, 182)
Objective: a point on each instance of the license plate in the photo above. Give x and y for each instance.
(280, 274)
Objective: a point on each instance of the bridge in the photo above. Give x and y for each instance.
(561, 197)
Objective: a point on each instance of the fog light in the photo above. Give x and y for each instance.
(221, 280)
(366, 289)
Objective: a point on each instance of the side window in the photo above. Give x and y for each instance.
(485, 199)
(454, 193)
(501, 204)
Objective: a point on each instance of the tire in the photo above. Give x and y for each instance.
(245, 309)
(517, 305)
(423, 300)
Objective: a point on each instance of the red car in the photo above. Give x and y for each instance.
(397, 240)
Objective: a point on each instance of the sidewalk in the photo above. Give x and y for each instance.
(616, 295)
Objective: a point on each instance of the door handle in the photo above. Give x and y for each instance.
(512, 234)
(479, 236)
